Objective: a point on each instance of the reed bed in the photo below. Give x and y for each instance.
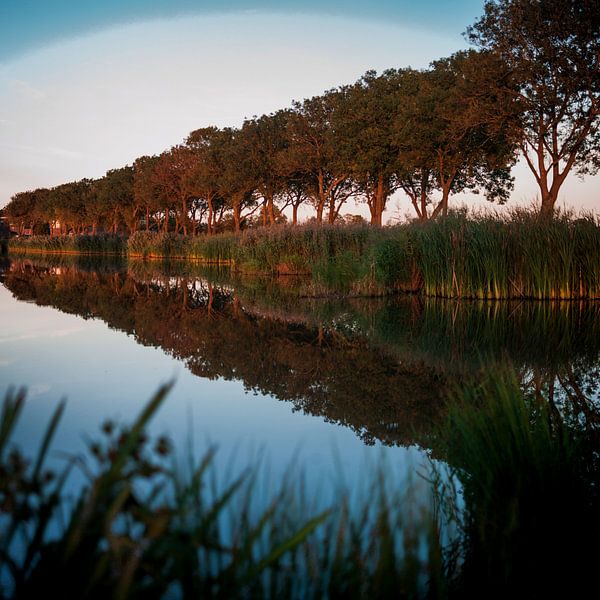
(76, 244)
(519, 256)
(529, 479)
(478, 256)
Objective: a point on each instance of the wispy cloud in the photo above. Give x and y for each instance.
(38, 389)
(34, 335)
(46, 151)
(26, 90)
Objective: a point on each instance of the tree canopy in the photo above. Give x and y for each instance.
(551, 53)
(532, 88)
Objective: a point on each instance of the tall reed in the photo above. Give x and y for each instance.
(529, 481)
(76, 244)
(485, 257)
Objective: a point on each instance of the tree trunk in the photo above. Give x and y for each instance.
(270, 209)
(331, 214)
(547, 207)
(379, 201)
(237, 214)
(294, 214)
(184, 215)
(210, 215)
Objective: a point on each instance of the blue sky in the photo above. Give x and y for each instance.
(86, 86)
(27, 24)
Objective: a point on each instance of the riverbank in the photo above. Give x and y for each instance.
(517, 257)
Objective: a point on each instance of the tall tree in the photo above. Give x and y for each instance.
(208, 144)
(363, 122)
(174, 175)
(117, 201)
(146, 193)
(265, 140)
(314, 144)
(238, 180)
(450, 137)
(552, 52)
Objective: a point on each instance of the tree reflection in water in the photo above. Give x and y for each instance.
(384, 368)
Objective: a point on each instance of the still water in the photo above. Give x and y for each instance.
(330, 387)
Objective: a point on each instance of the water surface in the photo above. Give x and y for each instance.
(332, 386)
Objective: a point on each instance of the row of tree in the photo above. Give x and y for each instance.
(532, 88)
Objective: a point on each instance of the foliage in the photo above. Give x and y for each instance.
(551, 55)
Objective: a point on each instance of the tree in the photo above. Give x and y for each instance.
(117, 198)
(449, 136)
(265, 141)
(238, 180)
(551, 49)
(173, 174)
(314, 151)
(146, 192)
(363, 121)
(208, 144)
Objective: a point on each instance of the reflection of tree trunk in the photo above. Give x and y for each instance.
(184, 290)
(236, 306)
(210, 299)
(321, 336)
(592, 416)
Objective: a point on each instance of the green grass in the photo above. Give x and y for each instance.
(479, 257)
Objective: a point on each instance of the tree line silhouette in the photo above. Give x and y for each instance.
(530, 89)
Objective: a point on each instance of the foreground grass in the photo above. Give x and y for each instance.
(143, 528)
(526, 516)
(529, 476)
(484, 257)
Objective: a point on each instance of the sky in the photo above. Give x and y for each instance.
(86, 86)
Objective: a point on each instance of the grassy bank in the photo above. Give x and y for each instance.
(67, 244)
(484, 257)
(143, 528)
